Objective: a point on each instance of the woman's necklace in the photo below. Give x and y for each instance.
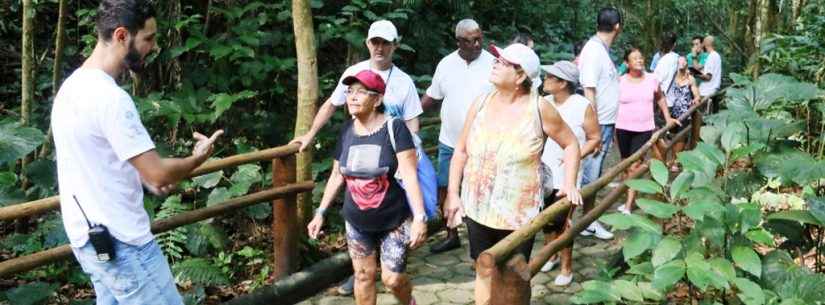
(372, 126)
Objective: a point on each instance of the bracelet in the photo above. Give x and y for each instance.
(320, 211)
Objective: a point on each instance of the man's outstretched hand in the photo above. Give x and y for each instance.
(204, 147)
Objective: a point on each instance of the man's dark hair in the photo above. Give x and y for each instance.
(131, 14)
(667, 42)
(608, 18)
(577, 47)
(697, 37)
(522, 38)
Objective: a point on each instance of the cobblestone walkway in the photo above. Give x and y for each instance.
(447, 278)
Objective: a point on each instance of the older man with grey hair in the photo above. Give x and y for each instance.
(459, 78)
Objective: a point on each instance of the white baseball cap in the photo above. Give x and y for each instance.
(521, 55)
(383, 29)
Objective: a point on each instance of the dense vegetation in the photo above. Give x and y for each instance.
(751, 187)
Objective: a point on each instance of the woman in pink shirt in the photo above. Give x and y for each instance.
(634, 121)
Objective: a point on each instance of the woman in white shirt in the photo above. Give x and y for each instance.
(560, 81)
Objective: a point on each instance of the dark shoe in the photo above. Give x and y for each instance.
(452, 242)
(347, 287)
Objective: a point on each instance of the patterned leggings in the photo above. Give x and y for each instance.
(393, 243)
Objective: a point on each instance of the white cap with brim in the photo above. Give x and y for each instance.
(383, 29)
(564, 70)
(520, 55)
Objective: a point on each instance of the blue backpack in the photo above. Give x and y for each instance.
(426, 175)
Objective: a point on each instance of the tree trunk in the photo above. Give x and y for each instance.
(27, 78)
(57, 70)
(305, 49)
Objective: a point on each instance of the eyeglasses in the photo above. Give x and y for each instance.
(473, 41)
(360, 92)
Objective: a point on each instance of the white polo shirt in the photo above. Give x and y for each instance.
(97, 130)
(665, 72)
(713, 65)
(596, 70)
(458, 84)
(400, 97)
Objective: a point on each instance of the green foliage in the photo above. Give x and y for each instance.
(173, 241)
(199, 271)
(17, 141)
(31, 294)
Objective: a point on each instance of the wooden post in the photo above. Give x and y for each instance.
(284, 220)
(510, 284)
(696, 127)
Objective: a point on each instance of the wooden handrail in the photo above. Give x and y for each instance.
(44, 205)
(502, 250)
(29, 262)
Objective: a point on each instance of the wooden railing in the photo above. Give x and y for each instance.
(509, 273)
(282, 194)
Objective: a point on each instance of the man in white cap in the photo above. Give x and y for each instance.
(600, 80)
(459, 78)
(401, 98)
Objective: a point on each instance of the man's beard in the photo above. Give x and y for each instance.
(133, 60)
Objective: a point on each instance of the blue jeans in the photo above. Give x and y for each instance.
(138, 275)
(445, 154)
(592, 166)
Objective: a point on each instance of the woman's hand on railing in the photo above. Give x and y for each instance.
(575, 197)
(314, 226)
(674, 121)
(418, 234)
(304, 140)
(453, 210)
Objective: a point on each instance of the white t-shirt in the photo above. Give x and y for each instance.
(665, 72)
(400, 97)
(713, 65)
(598, 71)
(573, 113)
(97, 129)
(458, 84)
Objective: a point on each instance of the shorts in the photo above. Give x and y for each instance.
(557, 225)
(393, 243)
(445, 154)
(137, 275)
(483, 237)
(631, 141)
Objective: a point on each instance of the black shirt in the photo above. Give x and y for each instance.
(374, 200)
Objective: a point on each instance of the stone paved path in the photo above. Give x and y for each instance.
(447, 278)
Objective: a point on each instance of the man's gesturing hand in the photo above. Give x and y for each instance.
(203, 148)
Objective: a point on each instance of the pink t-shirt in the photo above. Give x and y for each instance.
(636, 103)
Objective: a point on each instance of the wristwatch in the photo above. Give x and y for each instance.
(422, 217)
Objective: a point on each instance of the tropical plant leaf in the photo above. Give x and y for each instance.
(31, 294)
(18, 141)
(659, 172)
(750, 292)
(649, 292)
(666, 251)
(628, 290)
(668, 274)
(208, 181)
(698, 270)
(200, 271)
(747, 259)
(816, 207)
(644, 185)
(680, 184)
(796, 216)
(637, 243)
(594, 292)
(624, 222)
(657, 209)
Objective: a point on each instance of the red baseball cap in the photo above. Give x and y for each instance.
(369, 79)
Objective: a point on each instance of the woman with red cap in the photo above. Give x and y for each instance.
(495, 173)
(377, 211)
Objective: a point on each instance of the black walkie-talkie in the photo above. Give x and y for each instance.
(99, 237)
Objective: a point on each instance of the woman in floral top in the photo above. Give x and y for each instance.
(498, 156)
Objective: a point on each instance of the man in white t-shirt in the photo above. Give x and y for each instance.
(459, 78)
(600, 80)
(712, 72)
(401, 98)
(667, 66)
(104, 155)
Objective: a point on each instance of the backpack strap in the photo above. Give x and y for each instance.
(391, 132)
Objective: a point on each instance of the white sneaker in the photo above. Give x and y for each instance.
(563, 280)
(549, 265)
(597, 230)
(623, 209)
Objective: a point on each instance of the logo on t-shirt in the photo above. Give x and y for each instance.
(366, 181)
